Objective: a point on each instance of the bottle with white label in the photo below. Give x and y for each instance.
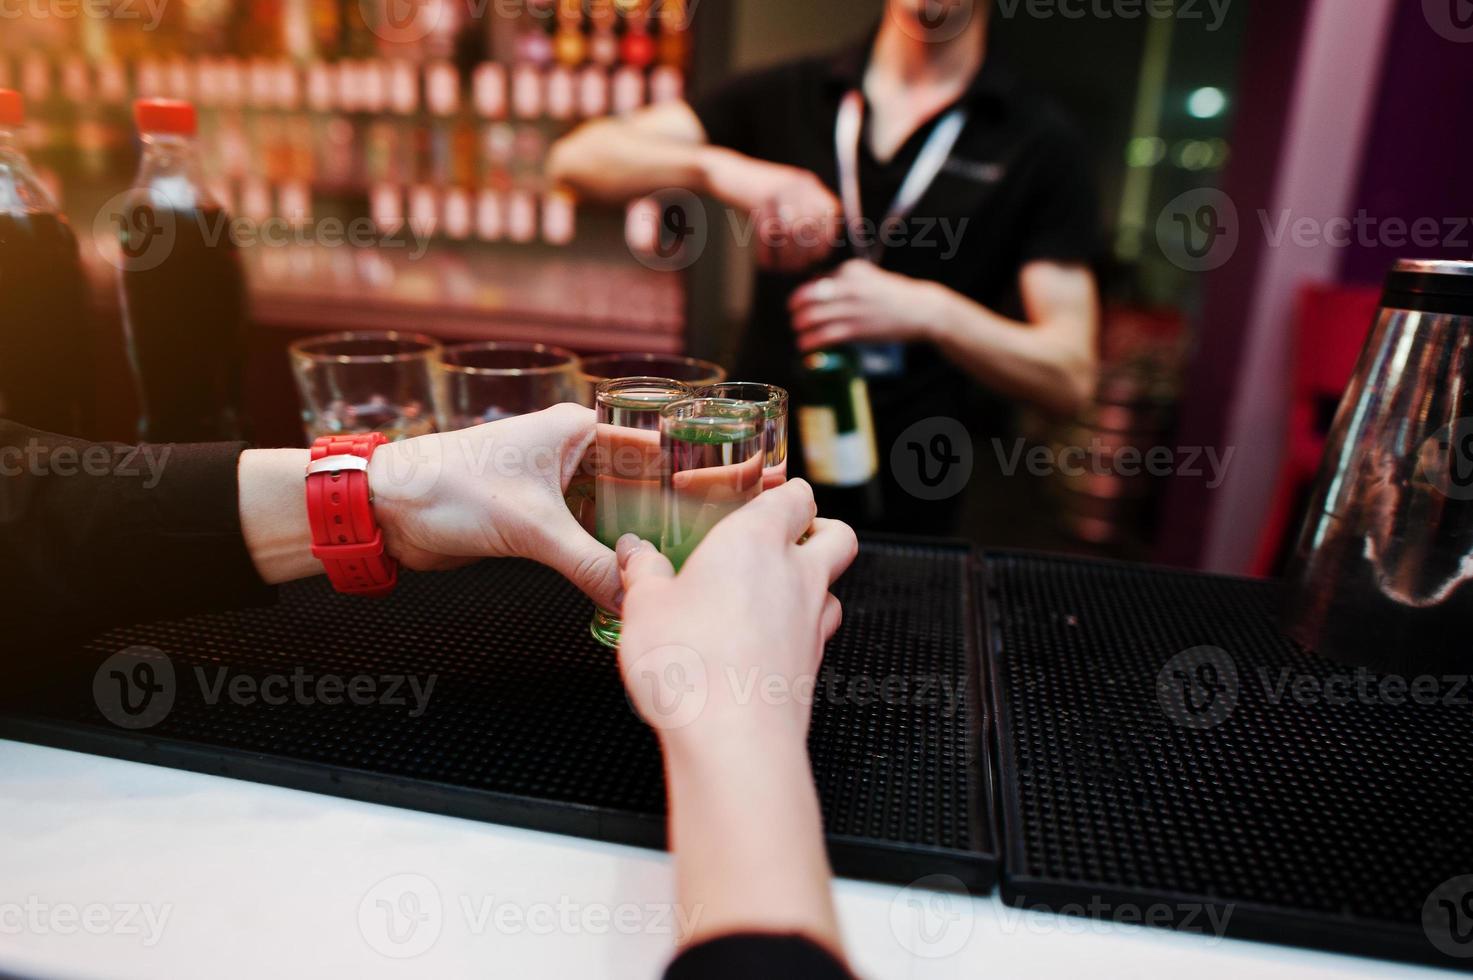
(836, 427)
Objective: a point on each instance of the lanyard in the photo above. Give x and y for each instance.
(923, 172)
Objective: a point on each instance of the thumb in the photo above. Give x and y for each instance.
(639, 560)
(578, 557)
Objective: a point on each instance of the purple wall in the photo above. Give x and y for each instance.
(1420, 161)
(1270, 65)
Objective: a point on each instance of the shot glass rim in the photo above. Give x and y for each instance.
(650, 357)
(775, 395)
(755, 409)
(570, 365)
(606, 387)
(428, 347)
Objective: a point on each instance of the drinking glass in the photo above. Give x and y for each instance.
(774, 401)
(492, 381)
(352, 383)
(628, 468)
(687, 370)
(713, 456)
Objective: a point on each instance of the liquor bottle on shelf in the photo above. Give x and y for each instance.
(570, 44)
(47, 344)
(593, 91)
(182, 287)
(837, 428)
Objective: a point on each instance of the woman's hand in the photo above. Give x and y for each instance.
(863, 303)
(493, 491)
(722, 659)
(750, 611)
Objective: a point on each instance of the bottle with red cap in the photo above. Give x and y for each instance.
(46, 336)
(182, 286)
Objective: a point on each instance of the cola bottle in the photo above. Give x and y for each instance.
(46, 336)
(183, 288)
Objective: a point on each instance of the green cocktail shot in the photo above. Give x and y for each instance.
(714, 452)
(630, 468)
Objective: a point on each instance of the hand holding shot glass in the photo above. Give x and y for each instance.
(670, 467)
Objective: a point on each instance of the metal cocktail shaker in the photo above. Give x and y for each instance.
(1382, 576)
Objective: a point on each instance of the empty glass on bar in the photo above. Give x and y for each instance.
(687, 370)
(714, 453)
(352, 383)
(774, 401)
(491, 381)
(629, 468)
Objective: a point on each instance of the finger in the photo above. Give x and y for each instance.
(789, 509)
(831, 547)
(645, 563)
(626, 546)
(824, 314)
(832, 335)
(831, 618)
(568, 549)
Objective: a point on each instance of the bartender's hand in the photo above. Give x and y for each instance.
(863, 303)
(445, 500)
(796, 220)
(722, 660)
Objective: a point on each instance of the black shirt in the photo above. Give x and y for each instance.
(1016, 187)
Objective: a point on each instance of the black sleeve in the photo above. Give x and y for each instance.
(1064, 218)
(743, 957)
(744, 113)
(93, 534)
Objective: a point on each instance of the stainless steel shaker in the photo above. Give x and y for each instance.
(1382, 575)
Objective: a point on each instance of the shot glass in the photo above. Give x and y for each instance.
(687, 370)
(629, 469)
(774, 402)
(713, 455)
(352, 383)
(488, 382)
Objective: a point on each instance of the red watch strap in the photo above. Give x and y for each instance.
(346, 537)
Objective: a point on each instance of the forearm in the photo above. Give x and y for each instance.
(747, 835)
(93, 535)
(613, 162)
(1043, 364)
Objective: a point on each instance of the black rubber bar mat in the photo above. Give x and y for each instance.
(480, 694)
(1166, 757)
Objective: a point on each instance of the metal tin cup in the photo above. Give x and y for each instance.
(1382, 575)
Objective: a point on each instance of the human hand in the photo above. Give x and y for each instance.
(863, 303)
(796, 219)
(750, 607)
(493, 491)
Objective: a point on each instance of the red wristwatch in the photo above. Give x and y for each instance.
(346, 537)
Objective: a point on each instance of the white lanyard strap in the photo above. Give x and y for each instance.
(923, 173)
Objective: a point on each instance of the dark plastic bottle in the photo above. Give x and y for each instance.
(183, 289)
(46, 337)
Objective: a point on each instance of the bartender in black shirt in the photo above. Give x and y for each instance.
(906, 197)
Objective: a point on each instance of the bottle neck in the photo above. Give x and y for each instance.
(171, 172)
(20, 191)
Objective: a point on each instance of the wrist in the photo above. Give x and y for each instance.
(273, 514)
(937, 322)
